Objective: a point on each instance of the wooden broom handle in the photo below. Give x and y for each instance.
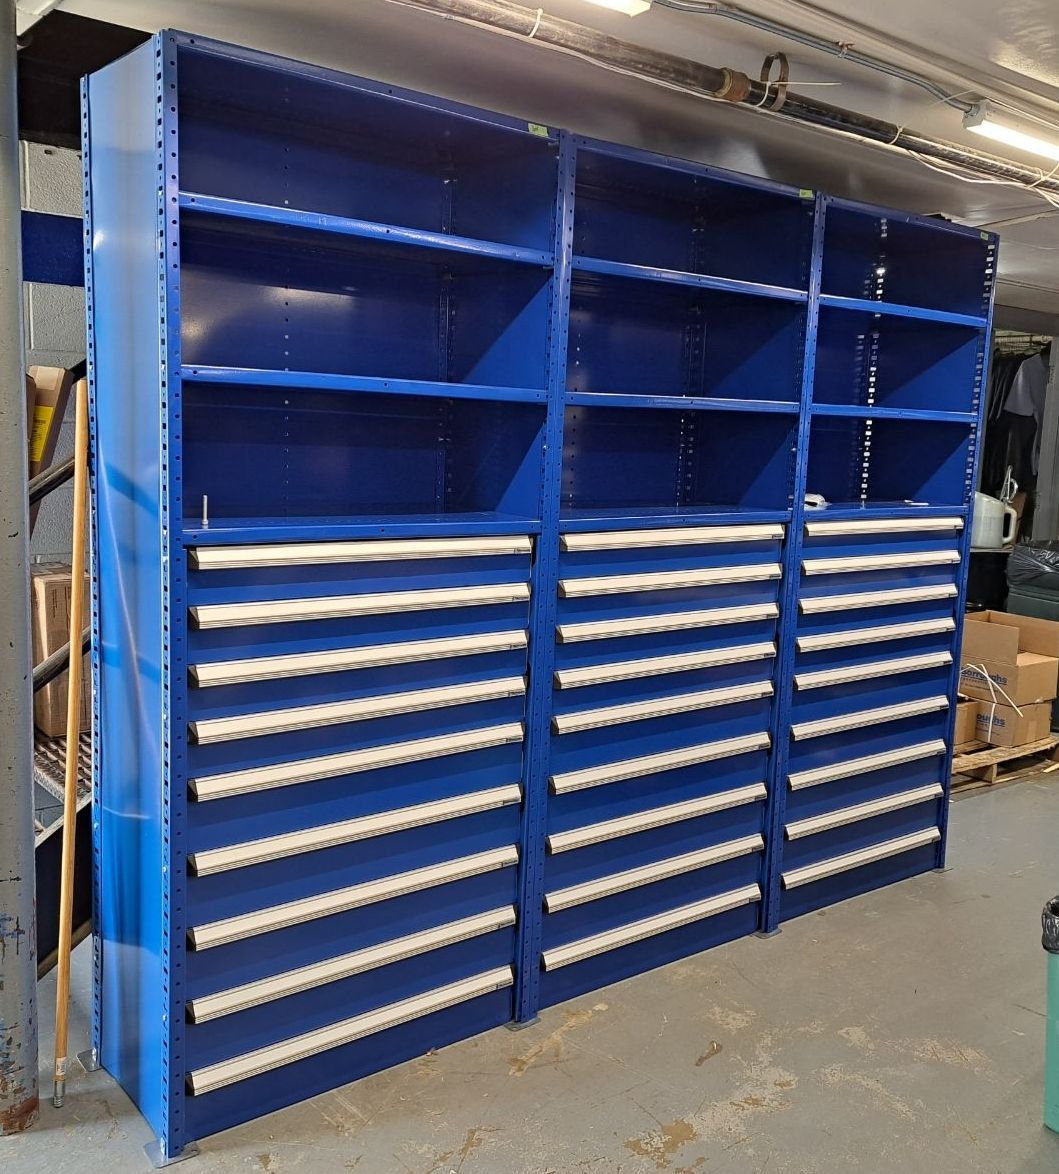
(73, 738)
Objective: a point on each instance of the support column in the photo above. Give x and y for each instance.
(18, 932)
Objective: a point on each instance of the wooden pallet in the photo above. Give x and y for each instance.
(981, 762)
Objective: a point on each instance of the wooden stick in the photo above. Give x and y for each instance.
(73, 739)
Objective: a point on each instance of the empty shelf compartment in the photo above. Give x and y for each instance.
(889, 462)
(866, 359)
(297, 452)
(881, 256)
(351, 148)
(647, 211)
(618, 458)
(677, 341)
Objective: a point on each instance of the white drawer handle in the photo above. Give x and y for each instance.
(301, 1047)
(652, 666)
(843, 816)
(876, 668)
(819, 603)
(637, 931)
(650, 764)
(880, 562)
(348, 831)
(866, 764)
(667, 580)
(337, 660)
(682, 536)
(327, 766)
(330, 607)
(647, 874)
(303, 717)
(848, 636)
(292, 982)
(795, 877)
(642, 821)
(868, 717)
(248, 925)
(883, 526)
(299, 554)
(637, 711)
(671, 622)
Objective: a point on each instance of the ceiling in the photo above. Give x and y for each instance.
(1005, 49)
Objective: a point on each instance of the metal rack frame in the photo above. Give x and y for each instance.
(639, 403)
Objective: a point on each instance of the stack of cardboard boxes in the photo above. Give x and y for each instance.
(51, 630)
(1009, 674)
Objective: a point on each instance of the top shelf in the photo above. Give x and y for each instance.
(247, 216)
(361, 154)
(897, 264)
(636, 215)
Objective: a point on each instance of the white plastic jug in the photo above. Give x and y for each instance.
(994, 523)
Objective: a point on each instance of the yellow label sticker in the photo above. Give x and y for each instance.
(535, 128)
(805, 193)
(41, 427)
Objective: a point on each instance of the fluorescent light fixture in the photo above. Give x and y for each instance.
(980, 121)
(629, 7)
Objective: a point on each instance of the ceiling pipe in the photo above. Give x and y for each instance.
(730, 85)
(842, 49)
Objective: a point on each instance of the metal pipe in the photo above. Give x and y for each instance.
(708, 81)
(19, 1102)
(835, 48)
(50, 479)
(56, 664)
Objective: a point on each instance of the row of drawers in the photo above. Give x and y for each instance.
(869, 714)
(381, 746)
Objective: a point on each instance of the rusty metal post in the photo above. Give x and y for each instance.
(19, 1104)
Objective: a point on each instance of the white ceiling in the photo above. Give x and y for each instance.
(1006, 49)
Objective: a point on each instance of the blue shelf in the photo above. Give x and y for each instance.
(858, 412)
(851, 511)
(223, 531)
(575, 520)
(693, 280)
(321, 381)
(899, 310)
(436, 243)
(590, 399)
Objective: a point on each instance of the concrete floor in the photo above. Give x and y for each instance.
(898, 1032)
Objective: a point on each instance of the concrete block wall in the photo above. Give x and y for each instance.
(54, 318)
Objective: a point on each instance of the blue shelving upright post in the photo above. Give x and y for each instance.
(542, 644)
(788, 623)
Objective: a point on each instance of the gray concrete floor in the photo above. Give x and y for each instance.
(901, 1031)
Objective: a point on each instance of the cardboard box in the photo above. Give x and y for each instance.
(966, 713)
(1002, 725)
(51, 395)
(1028, 679)
(996, 635)
(51, 630)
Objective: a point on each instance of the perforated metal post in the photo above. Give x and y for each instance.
(18, 934)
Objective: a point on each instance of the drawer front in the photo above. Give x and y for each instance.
(662, 708)
(874, 650)
(355, 787)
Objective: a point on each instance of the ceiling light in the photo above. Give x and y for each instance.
(981, 122)
(629, 7)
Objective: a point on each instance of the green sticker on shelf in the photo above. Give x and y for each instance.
(535, 128)
(984, 235)
(806, 193)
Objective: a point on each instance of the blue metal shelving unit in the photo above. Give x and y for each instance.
(465, 640)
